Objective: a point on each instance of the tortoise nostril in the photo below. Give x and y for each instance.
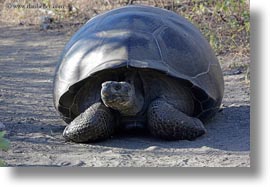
(117, 87)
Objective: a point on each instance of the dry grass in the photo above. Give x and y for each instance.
(225, 23)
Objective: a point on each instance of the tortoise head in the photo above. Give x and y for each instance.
(121, 96)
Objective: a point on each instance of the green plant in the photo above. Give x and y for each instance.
(4, 145)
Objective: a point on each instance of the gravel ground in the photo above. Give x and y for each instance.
(27, 61)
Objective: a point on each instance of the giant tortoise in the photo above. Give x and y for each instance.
(137, 66)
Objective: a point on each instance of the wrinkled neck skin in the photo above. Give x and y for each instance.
(125, 96)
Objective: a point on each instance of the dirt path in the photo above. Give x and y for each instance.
(27, 61)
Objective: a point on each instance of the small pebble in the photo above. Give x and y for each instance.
(151, 148)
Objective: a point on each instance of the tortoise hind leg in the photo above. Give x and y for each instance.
(95, 123)
(167, 122)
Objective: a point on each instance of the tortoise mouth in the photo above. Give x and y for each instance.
(111, 101)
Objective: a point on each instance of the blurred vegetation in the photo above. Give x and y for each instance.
(4, 145)
(225, 23)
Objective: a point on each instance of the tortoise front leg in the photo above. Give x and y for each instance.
(167, 122)
(95, 123)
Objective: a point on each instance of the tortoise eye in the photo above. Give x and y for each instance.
(117, 87)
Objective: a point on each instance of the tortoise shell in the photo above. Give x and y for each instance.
(140, 37)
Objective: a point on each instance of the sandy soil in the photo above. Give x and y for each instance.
(27, 61)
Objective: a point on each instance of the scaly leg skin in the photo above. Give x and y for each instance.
(96, 123)
(167, 122)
